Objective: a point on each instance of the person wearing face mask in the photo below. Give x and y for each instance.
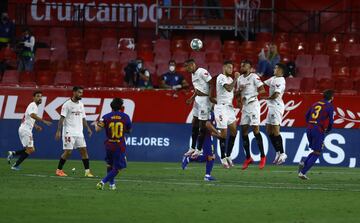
(26, 55)
(172, 79)
(7, 31)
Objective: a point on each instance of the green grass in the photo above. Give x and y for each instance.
(161, 192)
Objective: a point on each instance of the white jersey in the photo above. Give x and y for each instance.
(276, 84)
(74, 114)
(27, 122)
(249, 88)
(222, 95)
(200, 79)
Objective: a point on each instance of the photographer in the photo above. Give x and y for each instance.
(26, 53)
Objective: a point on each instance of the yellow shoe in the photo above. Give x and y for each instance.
(88, 174)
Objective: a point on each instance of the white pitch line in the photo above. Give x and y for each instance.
(196, 183)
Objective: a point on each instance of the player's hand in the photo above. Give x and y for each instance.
(46, 122)
(213, 100)
(236, 75)
(38, 128)
(57, 135)
(89, 132)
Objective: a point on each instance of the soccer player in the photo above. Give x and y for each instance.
(225, 113)
(201, 108)
(25, 131)
(115, 123)
(276, 109)
(320, 119)
(71, 122)
(249, 86)
(208, 154)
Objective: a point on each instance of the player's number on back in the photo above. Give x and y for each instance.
(116, 129)
(316, 113)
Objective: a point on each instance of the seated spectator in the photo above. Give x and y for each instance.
(7, 31)
(144, 79)
(132, 72)
(173, 80)
(267, 62)
(26, 55)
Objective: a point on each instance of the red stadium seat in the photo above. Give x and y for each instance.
(162, 69)
(354, 61)
(59, 55)
(10, 77)
(300, 48)
(126, 56)
(350, 38)
(213, 57)
(161, 44)
(341, 72)
(97, 78)
(111, 56)
(45, 78)
(293, 84)
(230, 46)
(351, 50)
(76, 54)
(284, 47)
(146, 55)
(308, 84)
(344, 84)
(179, 45)
(61, 65)
(109, 33)
(264, 37)
(281, 37)
(145, 46)
(248, 47)
(338, 60)
(326, 83)
(42, 54)
(162, 58)
(180, 56)
(94, 55)
(80, 78)
(63, 78)
(355, 72)
(108, 44)
(323, 72)
(317, 48)
(334, 48)
(57, 32)
(215, 68)
(305, 72)
(213, 46)
(297, 38)
(199, 57)
(303, 60)
(320, 61)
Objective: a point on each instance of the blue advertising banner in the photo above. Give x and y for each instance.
(168, 142)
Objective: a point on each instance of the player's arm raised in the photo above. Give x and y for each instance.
(85, 124)
(230, 87)
(37, 118)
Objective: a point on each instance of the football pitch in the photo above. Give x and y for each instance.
(162, 192)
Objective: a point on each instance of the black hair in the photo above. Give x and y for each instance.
(282, 67)
(226, 62)
(172, 61)
(246, 61)
(189, 61)
(36, 92)
(27, 29)
(328, 94)
(116, 104)
(76, 88)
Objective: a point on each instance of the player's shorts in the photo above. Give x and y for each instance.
(73, 142)
(224, 115)
(315, 137)
(274, 116)
(116, 158)
(202, 107)
(26, 138)
(251, 114)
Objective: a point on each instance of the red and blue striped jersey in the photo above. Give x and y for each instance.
(321, 114)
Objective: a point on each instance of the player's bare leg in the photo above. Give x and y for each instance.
(259, 140)
(194, 136)
(66, 155)
(233, 132)
(201, 138)
(222, 139)
(279, 144)
(246, 145)
(85, 159)
(23, 154)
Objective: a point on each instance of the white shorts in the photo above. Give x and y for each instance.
(73, 142)
(26, 138)
(224, 116)
(251, 114)
(202, 107)
(274, 116)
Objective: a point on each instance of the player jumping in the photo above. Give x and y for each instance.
(225, 113)
(25, 131)
(202, 106)
(249, 86)
(71, 122)
(276, 109)
(208, 154)
(115, 123)
(320, 119)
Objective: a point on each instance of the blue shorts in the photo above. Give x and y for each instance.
(316, 138)
(115, 158)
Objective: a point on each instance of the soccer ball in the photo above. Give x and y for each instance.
(196, 44)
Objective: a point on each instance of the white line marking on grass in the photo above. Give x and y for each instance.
(197, 183)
